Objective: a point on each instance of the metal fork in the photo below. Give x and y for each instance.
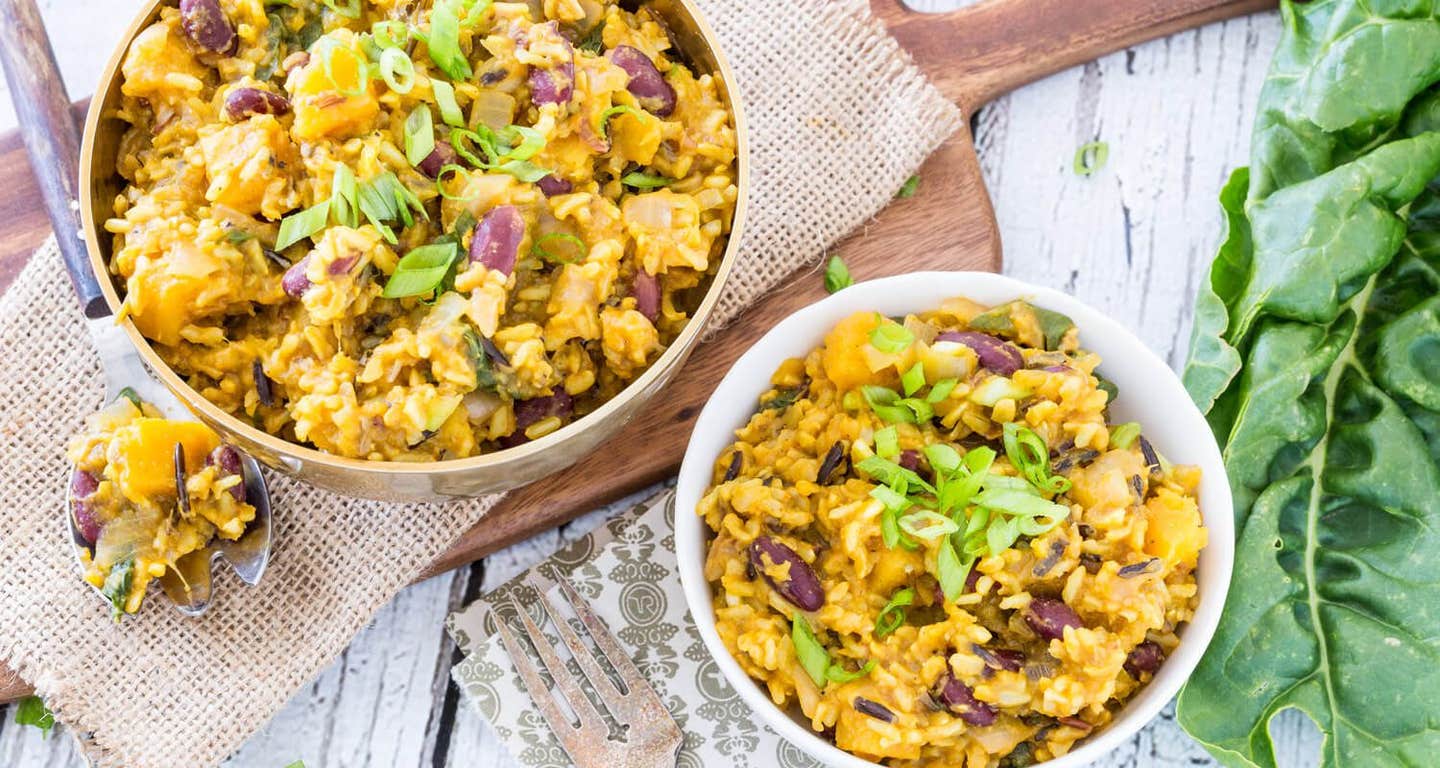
(651, 737)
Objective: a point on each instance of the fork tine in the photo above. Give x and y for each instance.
(610, 694)
(642, 703)
(590, 718)
(571, 738)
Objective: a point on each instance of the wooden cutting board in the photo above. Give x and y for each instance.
(972, 55)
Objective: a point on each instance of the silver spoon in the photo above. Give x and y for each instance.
(52, 139)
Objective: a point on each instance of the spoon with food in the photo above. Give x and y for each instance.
(153, 495)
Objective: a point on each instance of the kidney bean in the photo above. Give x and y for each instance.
(994, 354)
(497, 238)
(553, 185)
(647, 85)
(960, 699)
(205, 23)
(442, 155)
(802, 587)
(228, 460)
(295, 282)
(1049, 618)
(910, 459)
(241, 103)
(554, 85)
(1145, 657)
(646, 290)
(82, 485)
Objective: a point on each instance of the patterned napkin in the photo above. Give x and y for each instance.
(627, 571)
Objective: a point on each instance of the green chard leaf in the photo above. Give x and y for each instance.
(32, 711)
(1316, 357)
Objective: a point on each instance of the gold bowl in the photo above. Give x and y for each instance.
(410, 481)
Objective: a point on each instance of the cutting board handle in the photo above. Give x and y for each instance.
(1005, 44)
(50, 133)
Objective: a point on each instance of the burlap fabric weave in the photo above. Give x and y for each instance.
(838, 119)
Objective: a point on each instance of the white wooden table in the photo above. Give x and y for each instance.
(1132, 240)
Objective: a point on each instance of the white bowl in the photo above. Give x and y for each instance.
(1150, 393)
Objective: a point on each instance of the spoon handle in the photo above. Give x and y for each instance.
(52, 137)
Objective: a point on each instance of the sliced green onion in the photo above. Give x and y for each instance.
(419, 134)
(812, 655)
(977, 522)
(893, 614)
(1028, 452)
(379, 208)
(941, 390)
(420, 270)
(893, 501)
(462, 138)
(539, 249)
(444, 40)
(397, 70)
(887, 442)
(1020, 504)
(640, 180)
(1122, 436)
(474, 9)
(523, 170)
(928, 524)
(350, 9)
(618, 109)
(390, 33)
(951, 571)
(890, 337)
(837, 675)
(886, 404)
(362, 68)
(912, 380)
(920, 411)
(531, 142)
(298, 226)
(892, 474)
(1090, 158)
(344, 197)
(943, 458)
(445, 100)
(997, 388)
(1001, 534)
(837, 275)
(458, 170)
(1007, 483)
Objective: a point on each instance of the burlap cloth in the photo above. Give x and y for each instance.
(838, 119)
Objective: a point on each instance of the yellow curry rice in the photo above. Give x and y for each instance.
(930, 541)
(407, 230)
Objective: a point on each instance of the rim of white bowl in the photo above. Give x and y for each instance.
(1182, 433)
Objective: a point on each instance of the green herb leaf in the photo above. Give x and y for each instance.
(577, 248)
(116, 588)
(784, 398)
(893, 614)
(419, 135)
(913, 379)
(887, 443)
(306, 223)
(32, 711)
(909, 188)
(129, 394)
(640, 180)
(1091, 157)
(1122, 436)
(811, 654)
(420, 270)
(594, 40)
(1031, 457)
(450, 112)
(837, 275)
(890, 337)
(837, 675)
(236, 236)
(444, 41)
